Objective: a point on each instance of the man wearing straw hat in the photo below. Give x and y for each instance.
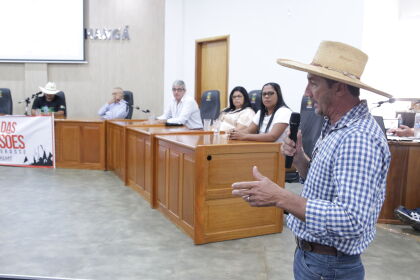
(334, 219)
(49, 103)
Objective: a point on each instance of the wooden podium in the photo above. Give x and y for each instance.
(194, 174)
(140, 162)
(403, 180)
(115, 142)
(80, 144)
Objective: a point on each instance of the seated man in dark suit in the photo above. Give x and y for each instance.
(49, 102)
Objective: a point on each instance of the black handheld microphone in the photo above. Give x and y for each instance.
(294, 127)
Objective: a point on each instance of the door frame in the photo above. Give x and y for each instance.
(198, 55)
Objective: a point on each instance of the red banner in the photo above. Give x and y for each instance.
(27, 141)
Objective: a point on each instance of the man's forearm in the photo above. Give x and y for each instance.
(301, 162)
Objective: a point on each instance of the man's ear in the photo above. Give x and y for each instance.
(340, 89)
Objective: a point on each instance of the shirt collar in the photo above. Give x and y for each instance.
(180, 101)
(349, 118)
(121, 101)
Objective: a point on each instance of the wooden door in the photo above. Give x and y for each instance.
(212, 64)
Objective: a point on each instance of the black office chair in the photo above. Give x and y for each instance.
(61, 95)
(255, 99)
(210, 105)
(6, 104)
(128, 97)
(407, 118)
(310, 126)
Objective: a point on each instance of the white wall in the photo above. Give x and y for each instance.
(391, 38)
(260, 32)
(174, 47)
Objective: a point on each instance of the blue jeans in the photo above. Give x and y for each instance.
(308, 266)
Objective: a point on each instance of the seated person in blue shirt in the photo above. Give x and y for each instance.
(49, 102)
(183, 109)
(334, 218)
(116, 108)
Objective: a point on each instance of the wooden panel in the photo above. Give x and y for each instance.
(403, 182)
(222, 167)
(137, 164)
(131, 159)
(148, 169)
(224, 214)
(80, 144)
(118, 151)
(140, 162)
(91, 135)
(188, 186)
(395, 181)
(70, 143)
(174, 179)
(412, 192)
(235, 214)
(198, 187)
(161, 175)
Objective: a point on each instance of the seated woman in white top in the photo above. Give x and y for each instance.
(239, 114)
(270, 123)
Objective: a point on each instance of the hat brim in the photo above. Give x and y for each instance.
(47, 91)
(330, 74)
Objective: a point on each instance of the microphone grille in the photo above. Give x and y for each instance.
(294, 119)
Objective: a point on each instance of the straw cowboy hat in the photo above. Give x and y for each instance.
(338, 62)
(50, 88)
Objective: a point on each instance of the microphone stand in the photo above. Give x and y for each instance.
(28, 101)
(146, 111)
(390, 101)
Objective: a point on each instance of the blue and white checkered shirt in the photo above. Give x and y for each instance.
(345, 186)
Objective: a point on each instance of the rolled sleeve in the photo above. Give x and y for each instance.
(315, 217)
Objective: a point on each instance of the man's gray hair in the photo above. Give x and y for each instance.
(179, 83)
(119, 89)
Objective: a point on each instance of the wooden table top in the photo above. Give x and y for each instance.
(192, 141)
(168, 130)
(84, 120)
(404, 143)
(136, 122)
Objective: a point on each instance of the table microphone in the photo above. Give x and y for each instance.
(294, 127)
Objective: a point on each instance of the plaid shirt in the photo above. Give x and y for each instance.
(345, 186)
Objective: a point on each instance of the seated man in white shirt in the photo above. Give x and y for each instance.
(182, 109)
(116, 108)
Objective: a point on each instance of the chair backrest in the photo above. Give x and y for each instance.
(6, 104)
(407, 118)
(61, 95)
(255, 99)
(310, 125)
(128, 96)
(210, 104)
(380, 121)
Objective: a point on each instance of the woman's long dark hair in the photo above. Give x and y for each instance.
(232, 107)
(280, 103)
